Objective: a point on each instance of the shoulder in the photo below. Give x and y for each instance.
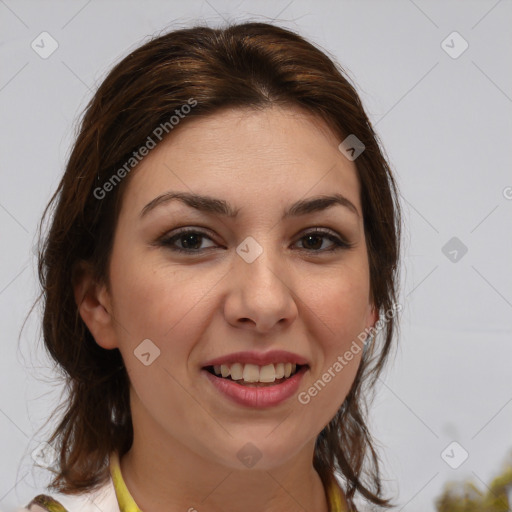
(103, 498)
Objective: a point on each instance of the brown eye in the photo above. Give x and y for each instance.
(314, 240)
(189, 239)
(192, 239)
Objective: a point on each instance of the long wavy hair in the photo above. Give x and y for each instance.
(248, 65)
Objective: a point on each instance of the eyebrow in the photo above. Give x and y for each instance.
(216, 206)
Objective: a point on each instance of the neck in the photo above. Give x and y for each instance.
(170, 478)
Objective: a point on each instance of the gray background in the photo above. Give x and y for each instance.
(446, 125)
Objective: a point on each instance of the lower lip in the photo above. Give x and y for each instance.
(258, 397)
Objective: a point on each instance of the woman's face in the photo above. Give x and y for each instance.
(258, 282)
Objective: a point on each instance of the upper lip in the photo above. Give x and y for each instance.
(258, 358)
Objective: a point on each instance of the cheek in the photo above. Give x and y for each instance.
(338, 311)
(149, 300)
(340, 305)
(162, 305)
(167, 304)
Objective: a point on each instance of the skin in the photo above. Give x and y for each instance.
(295, 296)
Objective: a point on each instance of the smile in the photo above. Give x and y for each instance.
(252, 373)
(254, 392)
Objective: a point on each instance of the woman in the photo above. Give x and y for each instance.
(222, 258)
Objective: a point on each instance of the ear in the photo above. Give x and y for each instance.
(94, 305)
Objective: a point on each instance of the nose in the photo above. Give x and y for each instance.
(261, 294)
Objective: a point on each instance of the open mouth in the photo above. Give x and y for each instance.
(254, 380)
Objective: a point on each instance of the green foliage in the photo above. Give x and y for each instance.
(467, 497)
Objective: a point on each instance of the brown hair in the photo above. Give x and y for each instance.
(251, 65)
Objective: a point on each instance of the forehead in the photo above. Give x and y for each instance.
(248, 155)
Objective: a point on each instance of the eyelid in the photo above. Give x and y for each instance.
(339, 241)
(326, 232)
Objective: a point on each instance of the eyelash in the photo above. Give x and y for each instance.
(168, 242)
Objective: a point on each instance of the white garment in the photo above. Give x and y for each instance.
(103, 499)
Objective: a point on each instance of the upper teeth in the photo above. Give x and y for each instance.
(255, 373)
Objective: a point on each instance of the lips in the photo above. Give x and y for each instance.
(258, 358)
(252, 395)
(256, 394)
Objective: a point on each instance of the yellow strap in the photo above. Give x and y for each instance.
(124, 498)
(335, 497)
